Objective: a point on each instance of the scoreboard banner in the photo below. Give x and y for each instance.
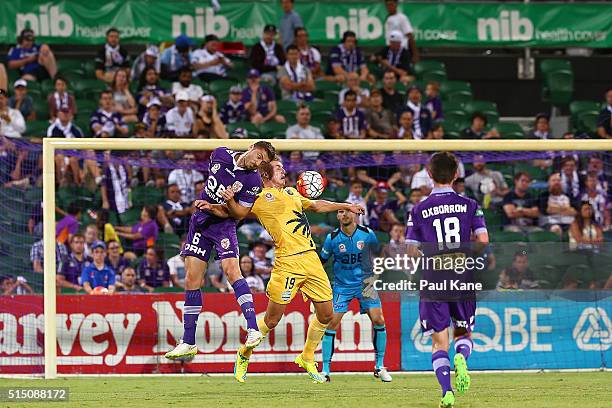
(525, 330)
(129, 334)
(576, 24)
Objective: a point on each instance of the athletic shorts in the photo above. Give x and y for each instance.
(342, 299)
(437, 316)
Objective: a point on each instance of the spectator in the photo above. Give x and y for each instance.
(91, 236)
(356, 197)
(422, 181)
(98, 274)
(123, 101)
(104, 121)
(263, 264)
(37, 255)
(518, 275)
(381, 122)
(179, 120)
(72, 266)
(604, 121)
(396, 58)
(111, 57)
(295, 79)
(477, 128)
(34, 62)
(570, 181)
(598, 199)
(143, 234)
(216, 278)
(310, 57)
(208, 62)
(185, 178)
(3, 77)
(352, 120)
(397, 245)
(69, 225)
(176, 57)
(541, 127)
(352, 84)
(405, 121)
(436, 132)
(154, 120)
(115, 185)
(488, 187)
(392, 99)
(10, 286)
(596, 165)
(347, 57)
(233, 110)
(585, 232)
(22, 101)
(153, 271)
(176, 268)
(433, 101)
(149, 89)
(414, 198)
(208, 123)
(259, 100)
(332, 129)
(148, 59)
(177, 212)
(555, 207)
(63, 126)
(289, 23)
(193, 91)
(397, 21)
(303, 129)
(267, 56)
(382, 210)
(421, 116)
(459, 186)
(247, 268)
(12, 124)
(520, 207)
(60, 99)
(128, 284)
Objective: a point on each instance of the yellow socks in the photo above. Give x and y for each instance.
(264, 329)
(316, 330)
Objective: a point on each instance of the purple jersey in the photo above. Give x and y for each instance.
(207, 231)
(351, 123)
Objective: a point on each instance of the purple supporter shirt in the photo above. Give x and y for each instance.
(153, 275)
(351, 124)
(264, 95)
(149, 231)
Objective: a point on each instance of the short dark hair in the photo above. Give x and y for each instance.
(443, 167)
(73, 208)
(350, 92)
(171, 185)
(210, 37)
(521, 174)
(267, 147)
(567, 160)
(292, 47)
(298, 29)
(519, 253)
(186, 68)
(112, 30)
(106, 91)
(437, 126)
(151, 210)
(348, 34)
(77, 235)
(479, 115)
(266, 170)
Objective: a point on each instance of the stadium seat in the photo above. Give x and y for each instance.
(428, 66)
(507, 236)
(252, 130)
(558, 88)
(555, 65)
(577, 107)
(37, 128)
(41, 109)
(69, 64)
(169, 242)
(487, 108)
(454, 106)
(433, 76)
(510, 130)
(142, 195)
(220, 86)
(273, 130)
(85, 107)
(536, 173)
(542, 236)
(456, 91)
(493, 219)
(586, 122)
(88, 88)
(131, 216)
(46, 87)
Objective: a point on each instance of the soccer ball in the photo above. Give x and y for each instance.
(311, 184)
(99, 290)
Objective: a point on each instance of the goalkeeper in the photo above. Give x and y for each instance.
(351, 246)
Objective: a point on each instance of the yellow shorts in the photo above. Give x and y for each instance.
(302, 272)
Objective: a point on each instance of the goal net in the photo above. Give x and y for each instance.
(544, 304)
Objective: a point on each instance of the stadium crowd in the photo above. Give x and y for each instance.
(283, 89)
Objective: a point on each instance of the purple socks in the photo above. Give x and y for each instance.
(245, 300)
(441, 366)
(191, 311)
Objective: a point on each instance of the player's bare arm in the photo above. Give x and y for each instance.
(218, 210)
(234, 209)
(324, 206)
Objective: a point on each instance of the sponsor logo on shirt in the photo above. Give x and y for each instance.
(215, 168)
(237, 186)
(342, 248)
(360, 245)
(269, 197)
(286, 295)
(225, 243)
(231, 173)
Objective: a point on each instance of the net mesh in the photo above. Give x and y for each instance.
(133, 333)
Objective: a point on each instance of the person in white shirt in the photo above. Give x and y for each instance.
(210, 64)
(397, 20)
(304, 130)
(353, 83)
(309, 56)
(194, 92)
(422, 181)
(179, 120)
(176, 266)
(12, 123)
(295, 78)
(186, 178)
(355, 197)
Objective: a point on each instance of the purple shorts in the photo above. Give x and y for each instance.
(436, 316)
(207, 232)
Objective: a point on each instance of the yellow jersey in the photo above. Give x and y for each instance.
(281, 212)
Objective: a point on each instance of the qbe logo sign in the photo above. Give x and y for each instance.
(593, 331)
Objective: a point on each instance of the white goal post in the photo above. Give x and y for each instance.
(51, 145)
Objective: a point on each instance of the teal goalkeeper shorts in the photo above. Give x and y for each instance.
(343, 296)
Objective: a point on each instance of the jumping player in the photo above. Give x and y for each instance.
(228, 170)
(348, 246)
(442, 225)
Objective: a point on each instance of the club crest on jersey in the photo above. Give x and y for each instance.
(225, 243)
(409, 222)
(288, 191)
(237, 186)
(342, 248)
(360, 245)
(269, 197)
(215, 168)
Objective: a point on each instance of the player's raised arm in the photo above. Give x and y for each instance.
(324, 206)
(234, 208)
(326, 249)
(218, 210)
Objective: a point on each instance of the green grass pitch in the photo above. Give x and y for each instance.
(521, 390)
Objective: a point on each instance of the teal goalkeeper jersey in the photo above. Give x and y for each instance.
(351, 255)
